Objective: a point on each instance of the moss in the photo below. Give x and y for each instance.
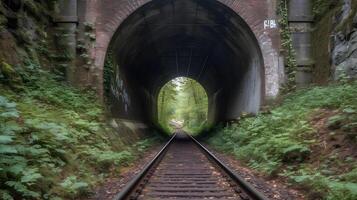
(321, 44)
(346, 25)
(11, 77)
(23, 36)
(34, 8)
(3, 21)
(322, 7)
(109, 66)
(2, 9)
(33, 55)
(89, 27)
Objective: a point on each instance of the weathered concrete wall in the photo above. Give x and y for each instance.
(259, 14)
(66, 19)
(300, 23)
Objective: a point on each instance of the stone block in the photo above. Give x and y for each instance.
(340, 53)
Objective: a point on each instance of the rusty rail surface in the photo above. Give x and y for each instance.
(185, 169)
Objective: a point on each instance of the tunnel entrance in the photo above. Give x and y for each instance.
(182, 104)
(200, 39)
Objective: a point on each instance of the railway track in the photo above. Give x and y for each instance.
(185, 169)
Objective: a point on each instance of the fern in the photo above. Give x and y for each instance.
(74, 186)
(6, 139)
(30, 176)
(22, 189)
(50, 130)
(7, 149)
(5, 195)
(282, 137)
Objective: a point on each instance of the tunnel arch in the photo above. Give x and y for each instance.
(203, 40)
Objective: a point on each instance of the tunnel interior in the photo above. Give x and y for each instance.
(200, 39)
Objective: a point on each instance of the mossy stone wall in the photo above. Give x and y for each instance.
(25, 32)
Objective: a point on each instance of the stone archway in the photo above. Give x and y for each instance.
(108, 15)
(204, 40)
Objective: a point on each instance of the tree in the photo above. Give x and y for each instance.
(183, 99)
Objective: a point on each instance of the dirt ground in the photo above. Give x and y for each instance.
(275, 189)
(114, 184)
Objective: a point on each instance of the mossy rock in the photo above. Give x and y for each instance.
(11, 77)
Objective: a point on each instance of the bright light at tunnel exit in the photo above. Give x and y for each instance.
(182, 104)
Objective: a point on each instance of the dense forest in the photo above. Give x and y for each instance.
(183, 103)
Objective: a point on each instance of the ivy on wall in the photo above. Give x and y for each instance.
(287, 45)
(108, 72)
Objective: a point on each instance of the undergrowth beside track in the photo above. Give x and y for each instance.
(310, 139)
(54, 142)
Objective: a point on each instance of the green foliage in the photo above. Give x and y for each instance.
(54, 142)
(324, 187)
(183, 101)
(142, 145)
(3, 21)
(350, 176)
(320, 7)
(282, 137)
(10, 76)
(287, 44)
(108, 72)
(73, 186)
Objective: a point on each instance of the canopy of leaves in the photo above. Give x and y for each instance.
(184, 102)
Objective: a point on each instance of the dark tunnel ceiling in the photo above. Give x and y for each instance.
(200, 39)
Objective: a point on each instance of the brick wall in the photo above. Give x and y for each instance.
(109, 14)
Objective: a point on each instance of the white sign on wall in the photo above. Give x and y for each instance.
(270, 23)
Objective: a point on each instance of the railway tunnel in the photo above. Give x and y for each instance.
(199, 39)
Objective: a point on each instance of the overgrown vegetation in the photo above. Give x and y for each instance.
(321, 7)
(183, 103)
(108, 72)
(54, 143)
(287, 45)
(285, 141)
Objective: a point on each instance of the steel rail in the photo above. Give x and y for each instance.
(128, 189)
(247, 187)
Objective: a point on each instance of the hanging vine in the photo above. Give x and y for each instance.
(287, 44)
